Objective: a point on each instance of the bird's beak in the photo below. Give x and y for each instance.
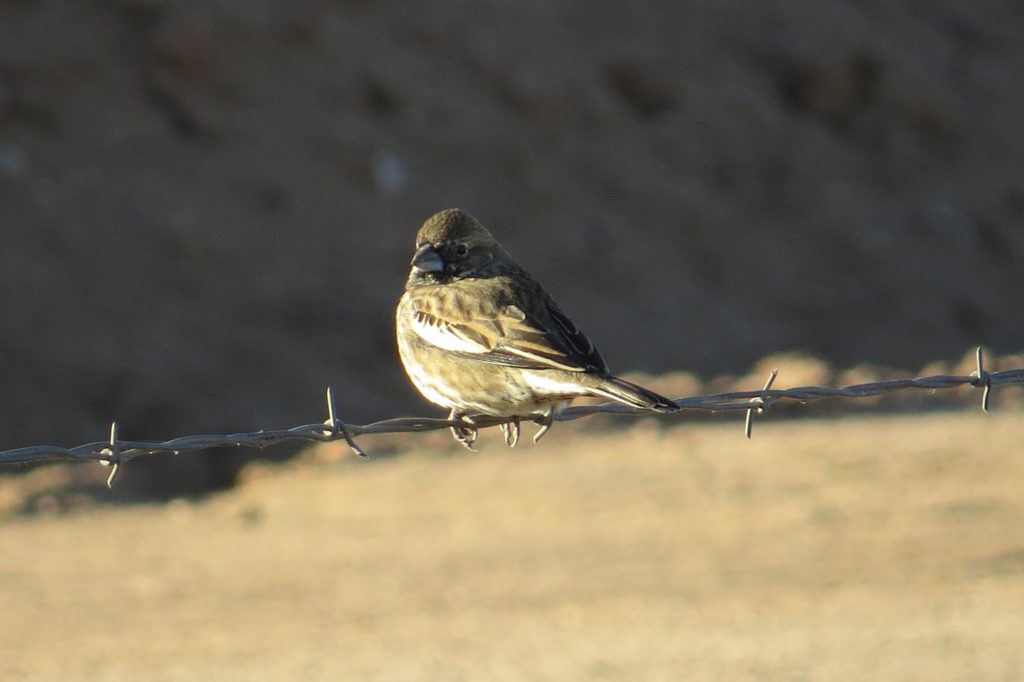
(427, 259)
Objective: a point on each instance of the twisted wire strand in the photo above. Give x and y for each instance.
(114, 452)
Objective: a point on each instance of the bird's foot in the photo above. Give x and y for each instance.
(465, 435)
(511, 431)
(545, 422)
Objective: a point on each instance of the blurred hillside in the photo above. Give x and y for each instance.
(208, 207)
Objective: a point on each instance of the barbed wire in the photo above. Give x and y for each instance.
(114, 452)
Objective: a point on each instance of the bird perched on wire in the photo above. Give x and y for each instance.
(479, 336)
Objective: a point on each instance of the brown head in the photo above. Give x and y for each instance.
(453, 245)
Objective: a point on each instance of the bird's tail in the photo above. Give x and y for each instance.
(630, 394)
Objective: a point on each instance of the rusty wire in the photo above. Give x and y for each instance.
(114, 452)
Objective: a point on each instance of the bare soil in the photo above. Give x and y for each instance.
(867, 548)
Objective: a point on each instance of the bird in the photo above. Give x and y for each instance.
(479, 336)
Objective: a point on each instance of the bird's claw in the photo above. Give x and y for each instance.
(511, 431)
(545, 422)
(464, 435)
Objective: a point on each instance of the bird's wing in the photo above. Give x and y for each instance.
(468, 322)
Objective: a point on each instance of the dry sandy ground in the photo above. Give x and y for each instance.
(868, 548)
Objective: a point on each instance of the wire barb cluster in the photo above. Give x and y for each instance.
(114, 452)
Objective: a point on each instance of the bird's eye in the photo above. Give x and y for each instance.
(461, 250)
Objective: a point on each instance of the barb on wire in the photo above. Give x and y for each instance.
(760, 404)
(984, 379)
(114, 452)
(110, 456)
(337, 425)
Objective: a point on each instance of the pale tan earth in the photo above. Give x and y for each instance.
(861, 548)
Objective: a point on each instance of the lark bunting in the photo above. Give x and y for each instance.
(479, 336)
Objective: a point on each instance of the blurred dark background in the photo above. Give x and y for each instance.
(208, 207)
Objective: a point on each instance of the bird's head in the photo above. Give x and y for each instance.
(453, 245)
